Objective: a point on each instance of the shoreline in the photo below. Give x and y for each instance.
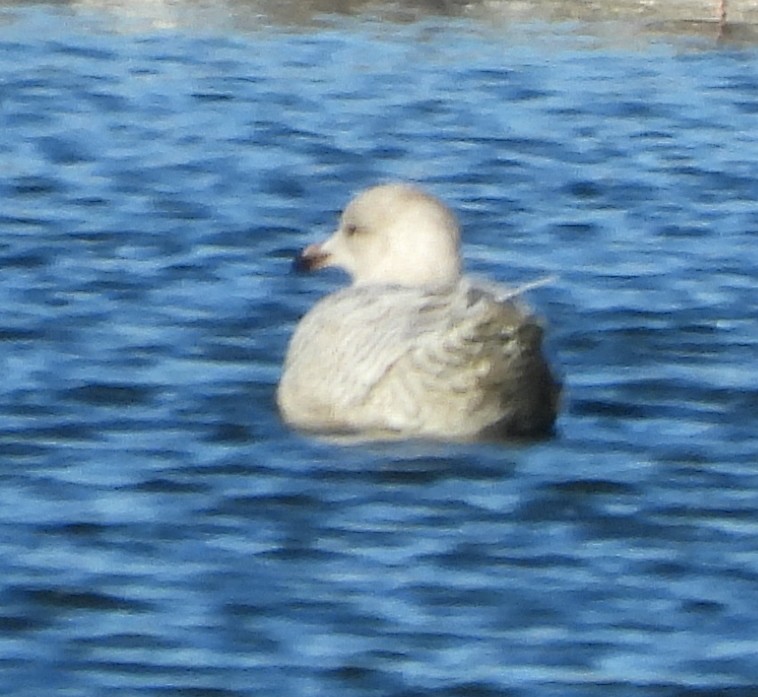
(737, 19)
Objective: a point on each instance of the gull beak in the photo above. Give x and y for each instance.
(311, 258)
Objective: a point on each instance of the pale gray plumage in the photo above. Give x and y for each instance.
(447, 358)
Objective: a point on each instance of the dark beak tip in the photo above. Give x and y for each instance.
(301, 264)
(309, 261)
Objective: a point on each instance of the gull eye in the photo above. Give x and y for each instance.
(351, 229)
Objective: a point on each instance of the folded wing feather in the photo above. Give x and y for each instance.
(452, 362)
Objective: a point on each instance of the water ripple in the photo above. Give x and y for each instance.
(163, 533)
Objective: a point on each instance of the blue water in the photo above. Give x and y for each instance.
(162, 533)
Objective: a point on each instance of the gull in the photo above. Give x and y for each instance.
(413, 348)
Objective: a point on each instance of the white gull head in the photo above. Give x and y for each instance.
(392, 234)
